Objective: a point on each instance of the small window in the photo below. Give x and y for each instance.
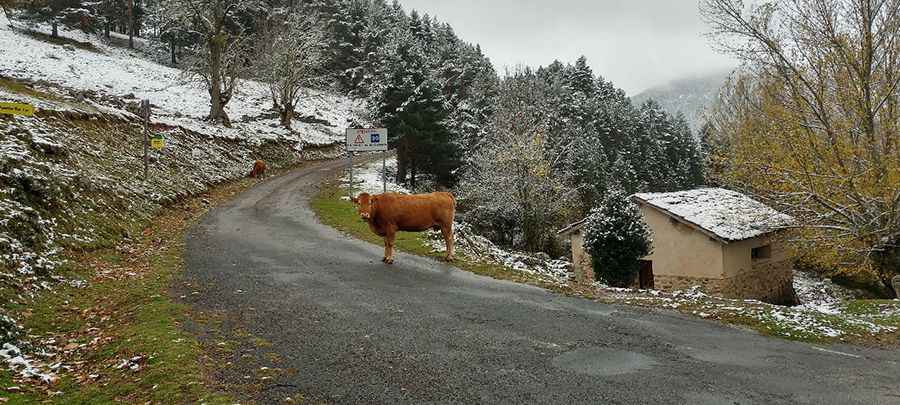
(762, 252)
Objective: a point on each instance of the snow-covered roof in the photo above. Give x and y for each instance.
(727, 215)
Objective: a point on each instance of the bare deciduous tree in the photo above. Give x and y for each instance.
(291, 54)
(221, 59)
(819, 118)
(516, 176)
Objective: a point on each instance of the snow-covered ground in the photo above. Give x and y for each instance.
(367, 177)
(824, 313)
(24, 366)
(120, 72)
(480, 248)
(822, 295)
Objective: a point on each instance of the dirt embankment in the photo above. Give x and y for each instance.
(72, 178)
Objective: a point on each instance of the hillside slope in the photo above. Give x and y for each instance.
(96, 70)
(71, 177)
(690, 96)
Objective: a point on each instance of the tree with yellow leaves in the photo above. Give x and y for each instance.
(812, 125)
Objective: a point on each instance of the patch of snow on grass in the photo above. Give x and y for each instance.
(367, 177)
(820, 319)
(26, 367)
(820, 295)
(480, 248)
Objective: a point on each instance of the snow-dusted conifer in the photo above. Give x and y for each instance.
(617, 238)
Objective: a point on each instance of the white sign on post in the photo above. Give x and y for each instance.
(367, 140)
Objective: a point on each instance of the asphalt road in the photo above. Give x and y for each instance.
(353, 330)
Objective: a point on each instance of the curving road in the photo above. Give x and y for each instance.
(351, 330)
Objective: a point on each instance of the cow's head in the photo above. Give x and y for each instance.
(365, 205)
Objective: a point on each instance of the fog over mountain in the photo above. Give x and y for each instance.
(689, 95)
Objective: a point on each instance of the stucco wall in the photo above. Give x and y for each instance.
(679, 250)
(771, 282)
(738, 255)
(765, 279)
(581, 260)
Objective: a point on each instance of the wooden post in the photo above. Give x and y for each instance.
(896, 283)
(384, 170)
(145, 113)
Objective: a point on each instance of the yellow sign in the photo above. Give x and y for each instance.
(158, 142)
(16, 109)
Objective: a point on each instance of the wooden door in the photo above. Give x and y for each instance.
(646, 275)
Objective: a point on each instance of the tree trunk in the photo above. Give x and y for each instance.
(131, 24)
(888, 266)
(55, 30)
(106, 27)
(172, 48)
(412, 174)
(217, 99)
(217, 106)
(287, 115)
(402, 163)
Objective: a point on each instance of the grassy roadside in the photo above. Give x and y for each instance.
(341, 215)
(855, 321)
(120, 338)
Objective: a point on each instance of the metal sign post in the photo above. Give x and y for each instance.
(367, 140)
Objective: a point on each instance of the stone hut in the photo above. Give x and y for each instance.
(718, 239)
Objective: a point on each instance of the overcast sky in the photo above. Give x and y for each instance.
(636, 44)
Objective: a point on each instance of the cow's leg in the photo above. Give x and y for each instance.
(447, 230)
(389, 247)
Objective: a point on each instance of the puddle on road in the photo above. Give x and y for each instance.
(600, 362)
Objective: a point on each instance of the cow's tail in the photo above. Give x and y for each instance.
(452, 203)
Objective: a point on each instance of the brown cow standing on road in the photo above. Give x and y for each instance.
(388, 213)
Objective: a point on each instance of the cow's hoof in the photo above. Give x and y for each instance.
(384, 259)
(389, 261)
(449, 259)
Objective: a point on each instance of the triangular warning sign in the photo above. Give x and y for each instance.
(359, 139)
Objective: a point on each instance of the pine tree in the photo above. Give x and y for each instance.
(581, 78)
(617, 238)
